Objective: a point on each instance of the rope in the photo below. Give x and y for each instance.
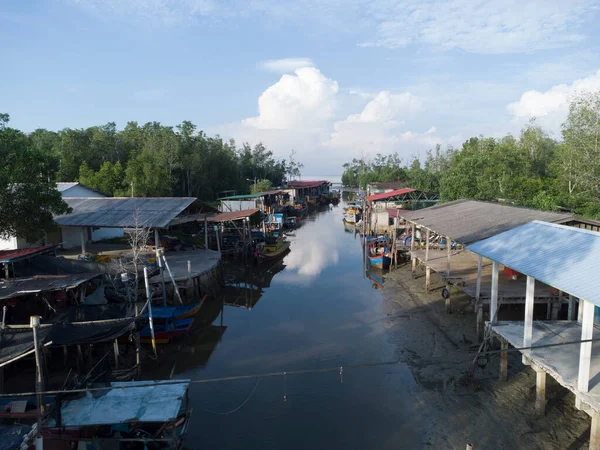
(235, 409)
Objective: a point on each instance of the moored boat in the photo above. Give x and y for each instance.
(165, 329)
(271, 249)
(381, 261)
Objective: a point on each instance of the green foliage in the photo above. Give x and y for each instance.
(28, 194)
(261, 186)
(532, 170)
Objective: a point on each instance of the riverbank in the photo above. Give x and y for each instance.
(439, 348)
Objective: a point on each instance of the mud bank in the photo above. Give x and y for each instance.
(485, 412)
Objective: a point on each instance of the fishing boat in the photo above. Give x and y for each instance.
(352, 213)
(271, 249)
(379, 251)
(165, 329)
(381, 260)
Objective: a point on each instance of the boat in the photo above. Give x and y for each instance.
(380, 260)
(379, 251)
(188, 311)
(352, 213)
(164, 330)
(271, 249)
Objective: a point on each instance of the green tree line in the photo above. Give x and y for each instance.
(532, 169)
(147, 160)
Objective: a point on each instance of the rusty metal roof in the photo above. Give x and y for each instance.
(119, 212)
(564, 257)
(390, 194)
(467, 221)
(11, 256)
(233, 215)
(42, 283)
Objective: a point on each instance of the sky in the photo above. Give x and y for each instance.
(331, 79)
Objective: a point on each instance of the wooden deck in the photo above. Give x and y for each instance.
(463, 273)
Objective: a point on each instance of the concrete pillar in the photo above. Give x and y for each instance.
(83, 240)
(585, 352)
(528, 325)
(503, 375)
(540, 392)
(414, 264)
(595, 432)
(480, 324)
(494, 293)
(579, 311)
(427, 277)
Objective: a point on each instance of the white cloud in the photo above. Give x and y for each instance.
(478, 26)
(286, 65)
(377, 128)
(552, 106)
(481, 26)
(304, 100)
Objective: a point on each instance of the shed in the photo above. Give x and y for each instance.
(568, 259)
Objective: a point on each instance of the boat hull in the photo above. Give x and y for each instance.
(380, 261)
(164, 332)
(269, 256)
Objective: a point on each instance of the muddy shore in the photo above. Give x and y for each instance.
(485, 412)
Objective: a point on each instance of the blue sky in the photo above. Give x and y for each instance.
(332, 79)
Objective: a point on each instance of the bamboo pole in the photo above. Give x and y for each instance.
(150, 322)
(173, 279)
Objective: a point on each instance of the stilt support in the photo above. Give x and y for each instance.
(595, 432)
(503, 376)
(480, 324)
(540, 392)
(427, 278)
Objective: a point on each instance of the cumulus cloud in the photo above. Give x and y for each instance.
(286, 65)
(377, 127)
(552, 106)
(303, 100)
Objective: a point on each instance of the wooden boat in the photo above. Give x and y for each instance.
(379, 251)
(271, 250)
(165, 329)
(188, 311)
(381, 261)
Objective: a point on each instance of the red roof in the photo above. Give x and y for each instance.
(306, 184)
(233, 215)
(9, 256)
(390, 194)
(394, 212)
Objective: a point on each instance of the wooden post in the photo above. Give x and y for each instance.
(116, 350)
(494, 293)
(585, 352)
(528, 324)
(478, 285)
(175, 288)
(150, 322)
(160, 266)
(34, 323)
(83, 239)
(503, 376)
(571, 313)
(426, 247)
(595, 432)
(448, 241)
(540, 392)
(412, 238)
(480, 324)
(205, 234)
(6, 272)
(138, 357)
(427, 277)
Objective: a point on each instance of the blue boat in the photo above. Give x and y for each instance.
(381, 261)
(165, 329)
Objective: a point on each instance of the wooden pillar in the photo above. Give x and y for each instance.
(205, 234)
(116, 350)
(83, 240)
(150, 321)
(39, 379)
(540, 392)
(138, 357)
(426, 247)
(572, 308)
(494, 293)
(480, 324)
(503, 376)
(478, 285)
(556, 305)
(6, 271)
(414, 265)
(412, 238)
(427, 277)
(448, 256)
(595, 432)
(160, 265)
(585, 352)
(528, 324)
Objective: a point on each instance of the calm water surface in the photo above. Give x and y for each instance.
(312, 310)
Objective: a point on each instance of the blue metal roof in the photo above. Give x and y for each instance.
(566, 258)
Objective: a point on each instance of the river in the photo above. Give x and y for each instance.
(314, 310)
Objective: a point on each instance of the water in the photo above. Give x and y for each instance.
(314, 310)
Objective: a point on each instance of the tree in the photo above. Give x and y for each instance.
(28, 195)
(262, 186)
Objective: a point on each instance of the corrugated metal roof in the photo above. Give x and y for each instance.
(152, 401)
(390, 194)
(120, 212)
(11, 256)
(256, 195)
(61, 187)
(467, 221)
(565, 257)
(233, 215)
(42, 283)
(297, 184)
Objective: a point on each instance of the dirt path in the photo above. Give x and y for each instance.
(489, 414)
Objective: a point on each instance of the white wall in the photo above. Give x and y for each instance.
(8, 244)
(237, 205)
(71, 237)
